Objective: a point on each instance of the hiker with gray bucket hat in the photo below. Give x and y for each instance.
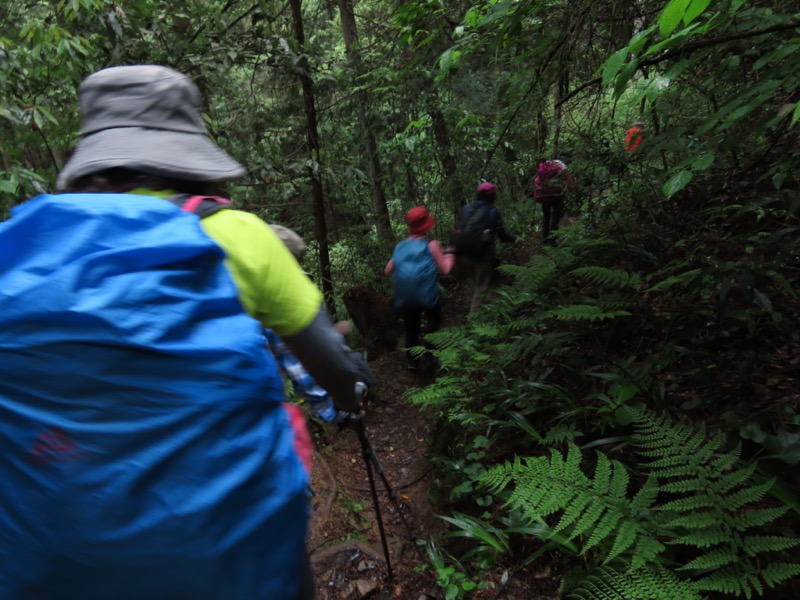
(147, 452)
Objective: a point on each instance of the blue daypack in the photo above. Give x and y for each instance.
(414, 277)
(146, 452)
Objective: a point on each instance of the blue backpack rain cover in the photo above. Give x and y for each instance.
(414, 277)
(145, 451)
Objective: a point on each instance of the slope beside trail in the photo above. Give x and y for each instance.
(344, 538)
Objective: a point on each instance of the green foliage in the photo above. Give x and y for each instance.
(652, 582)
(603, 276)
(597, 509)
(694, 495)
(676, 287)
(584, 312)
(450, 577)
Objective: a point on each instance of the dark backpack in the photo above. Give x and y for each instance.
(414, 276)
(476, 234)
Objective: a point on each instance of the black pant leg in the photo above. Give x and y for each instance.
(413, 323)
(556, 215)
(434, 317)
(546, 212)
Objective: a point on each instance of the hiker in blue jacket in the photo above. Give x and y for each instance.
(479, 261)
(147, 452)
(415, 267)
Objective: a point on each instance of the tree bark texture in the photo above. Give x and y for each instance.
(442, 136)
(362, 100)
(314, 165)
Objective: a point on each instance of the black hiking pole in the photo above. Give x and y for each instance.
(369, 457)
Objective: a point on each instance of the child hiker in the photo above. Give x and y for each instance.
(415, 265)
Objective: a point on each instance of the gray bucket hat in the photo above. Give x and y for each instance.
(145, 118)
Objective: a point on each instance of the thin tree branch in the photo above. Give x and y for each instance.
(688, 48)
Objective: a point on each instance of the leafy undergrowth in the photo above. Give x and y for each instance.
(543, 451)
(622, 418)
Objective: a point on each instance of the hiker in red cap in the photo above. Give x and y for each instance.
(476, 228)
(415, 265)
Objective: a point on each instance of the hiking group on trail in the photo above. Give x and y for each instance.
(146, 328)
(417, 262)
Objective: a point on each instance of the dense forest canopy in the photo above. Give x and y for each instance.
(646, 366)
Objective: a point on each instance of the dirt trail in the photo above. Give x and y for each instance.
(344, 538)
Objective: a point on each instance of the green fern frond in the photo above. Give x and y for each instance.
(714, 559)
(740, 580)
(538, 344)
(726, 482)
(758, 544)
(646, 496)
(534, 277)
(598, 507)
(603, 276)
(679, 279)
(746, 495)
(690, 504)
(724, 462)
(652, 582)
(713, 507)
(584, 312)
(705, 538)
(450, 337)
(486, 330)
(602, 474)
(690, 483)
(444, 397)
(756, 517)
(564, 432)
(778, 572)
(693, 520)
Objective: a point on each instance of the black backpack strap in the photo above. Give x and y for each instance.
(202, 206)
(478, 213)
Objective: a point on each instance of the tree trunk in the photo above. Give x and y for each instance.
(314, 165)
(373, 165)
(442, 136)
(562, 89)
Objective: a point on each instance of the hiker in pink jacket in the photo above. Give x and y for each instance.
(551, 184)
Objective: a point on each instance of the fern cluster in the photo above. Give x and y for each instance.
(653, 582)
(714, 507)
(598, 509)
(696, 496)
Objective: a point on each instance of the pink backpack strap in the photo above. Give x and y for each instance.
(303, 445)
(202, 206)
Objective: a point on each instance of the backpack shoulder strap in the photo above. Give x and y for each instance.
(479, 212)
(202, 206)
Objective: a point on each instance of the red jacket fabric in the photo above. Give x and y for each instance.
(633, 138)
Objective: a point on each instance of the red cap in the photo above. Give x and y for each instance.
(486, 188)
(419, 221)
